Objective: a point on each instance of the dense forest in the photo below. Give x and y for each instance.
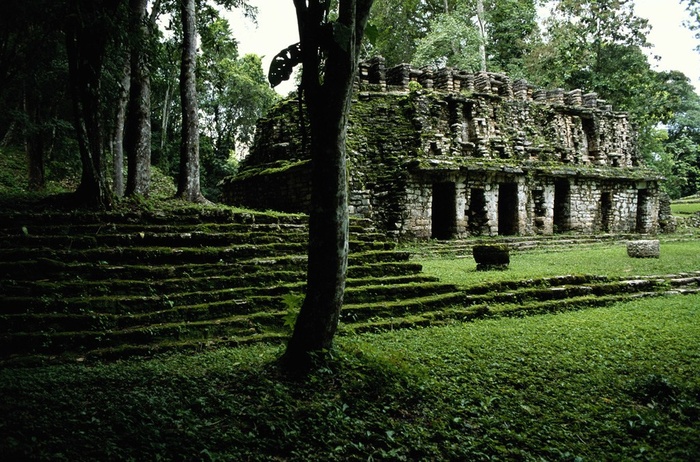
(103, 94)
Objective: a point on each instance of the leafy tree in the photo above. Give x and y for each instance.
(454, 40)
(233, 94)
(402, 24)
(329, 52)
(468, 34)
(693, 8)
(33, 76)
(678, 157)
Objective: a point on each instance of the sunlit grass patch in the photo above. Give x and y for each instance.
(602, 260)
(685, 208)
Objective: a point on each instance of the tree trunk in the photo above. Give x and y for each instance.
(86, 37)
(119, 123)
(482, 32)
(138, 124)
(328, 105)
(165, 119)
(188, 182)
(34, 139)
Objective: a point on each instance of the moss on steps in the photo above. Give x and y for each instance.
(144, 282)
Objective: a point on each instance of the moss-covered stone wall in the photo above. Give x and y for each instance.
(465, 154)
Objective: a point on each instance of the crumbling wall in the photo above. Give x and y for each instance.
(506, 157)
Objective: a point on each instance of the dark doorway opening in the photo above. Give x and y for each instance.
(605, 211)
(507, 209)
(643, 215)
(444, 209)
(562, 206)
(477, 216)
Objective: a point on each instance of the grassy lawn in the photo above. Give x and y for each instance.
(685, 208)
(617, 383)
(603, 260)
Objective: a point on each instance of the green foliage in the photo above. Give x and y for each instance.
(453, 41)
(582, 385)
(292, 303)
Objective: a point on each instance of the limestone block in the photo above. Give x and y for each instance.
(648, 248)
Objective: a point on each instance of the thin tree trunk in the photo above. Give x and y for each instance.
(165, 119)
(138, 128)
(9, 134)
(188, 181)
(34, 140)
(482, 32)
(118, 140)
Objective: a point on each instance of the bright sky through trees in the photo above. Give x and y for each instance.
(277, 29)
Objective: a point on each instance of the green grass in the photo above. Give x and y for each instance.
(685, 208)
(616, 383)
(602, 260)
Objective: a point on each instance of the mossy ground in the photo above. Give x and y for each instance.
(616, 383)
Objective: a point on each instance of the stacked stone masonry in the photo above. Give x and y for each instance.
(459, 154)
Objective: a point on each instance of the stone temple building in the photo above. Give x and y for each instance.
(447, 154)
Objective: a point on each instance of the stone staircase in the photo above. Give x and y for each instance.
(462, 248)
(78, 285)
(83, 285)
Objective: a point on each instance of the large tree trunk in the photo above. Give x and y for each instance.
(188, 182)
(328, 105)
(87, 29)
(138, 125)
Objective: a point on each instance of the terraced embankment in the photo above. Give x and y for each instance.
(79, 285)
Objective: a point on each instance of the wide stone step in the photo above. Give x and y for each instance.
(353, 313)
(395, 292)
(82, 341)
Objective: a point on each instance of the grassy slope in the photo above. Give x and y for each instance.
(618, 383)
(603, 260)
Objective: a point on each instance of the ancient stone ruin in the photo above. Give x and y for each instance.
(459, 154)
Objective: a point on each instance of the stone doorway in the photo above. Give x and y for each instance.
(562, 206)
(444, 206)
(507, 209)
(605, 211)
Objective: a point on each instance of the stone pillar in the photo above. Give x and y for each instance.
(520, 90)
(590, 100)
(377, 71)
(426, 78)
(444, 80)
(574, 98)
(491, 196)
(482, 83)
(399, 76)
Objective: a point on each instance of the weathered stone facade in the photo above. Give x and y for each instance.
(467, 154)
